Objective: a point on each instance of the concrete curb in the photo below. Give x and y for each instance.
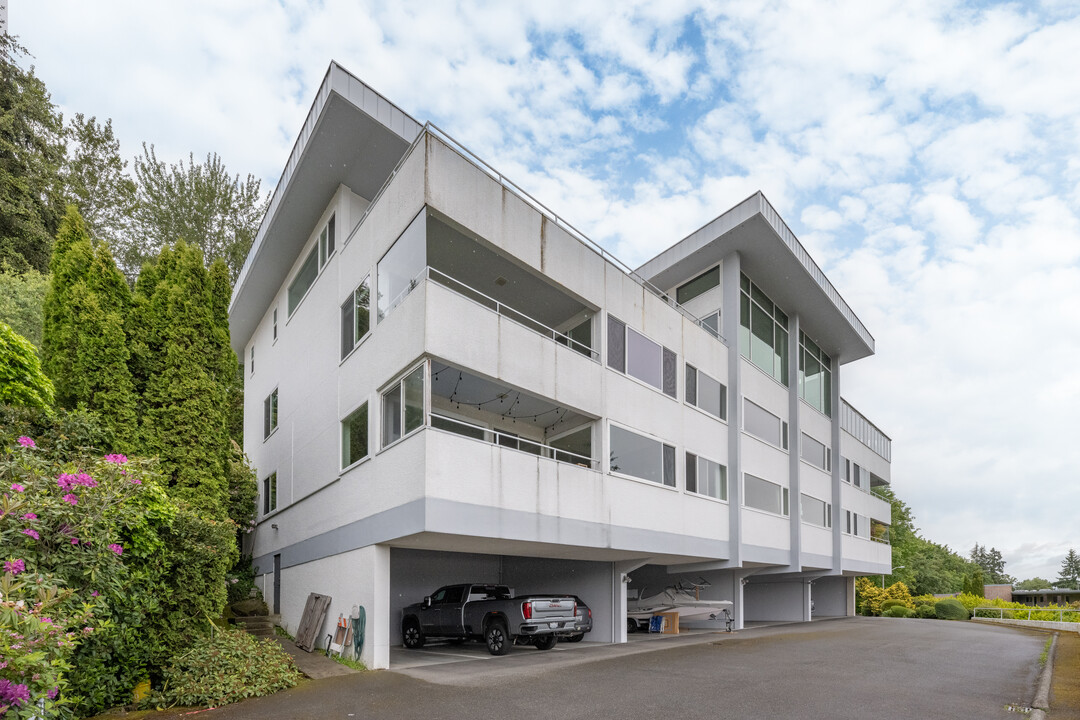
(1041, 704)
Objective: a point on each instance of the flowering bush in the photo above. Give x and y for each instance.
(124, 576)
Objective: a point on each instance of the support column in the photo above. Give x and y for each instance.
(794, 445)
(730, 330)
(371, 573)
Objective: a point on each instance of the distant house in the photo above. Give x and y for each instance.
(998, 592)
(1048, 596)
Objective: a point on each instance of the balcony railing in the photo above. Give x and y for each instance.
(509, 440)
(470, 293)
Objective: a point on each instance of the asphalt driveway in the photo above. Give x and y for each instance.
(854, 668)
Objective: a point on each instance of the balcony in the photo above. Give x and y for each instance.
(436, 249)
(464, 403)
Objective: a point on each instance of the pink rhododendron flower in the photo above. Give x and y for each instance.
(73, 499)
(118, 549)
(32, 533)
(26, 442)
(65, 481)
(29, 516)
(17, 487)
(14, 566)
(116, 459)
(85, 480)
(94, 594)
(74, 541)
(136, 481)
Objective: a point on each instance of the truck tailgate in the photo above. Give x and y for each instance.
(552, 609)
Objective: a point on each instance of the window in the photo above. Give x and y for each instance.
(270, 414)
(855, 474)
(762, 424)
(764, 495)
(702, 391)
(269, 493)
(326, 241)
(354, 436)
(816, 453)
(855, 524)
(574, 447)
(314, 262)
(763, 336)
(815, 376)
(355, 317)
(403, 407)
(275, 324)
(705, 477)
(701, 284)
(252, 359)
(642, 457)
(400, 268)
(578, 338)
(632, 353)
(816, 512)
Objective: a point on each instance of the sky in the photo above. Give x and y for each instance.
(926, 152)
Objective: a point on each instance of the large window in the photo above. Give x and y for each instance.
(816, 453)
(270, 412)
(355, 317)
(816, 512)
(642, 457)
(855, 474)
(634, 354)
(400, 268)
(762, 424)
(701, 284)
(763, 336)
(269, 493)
(761, 494)
(354, 436)
(705, 477)
(815, 375)
(313, 263)
(702, 391)
(855, 524)
(403, 407)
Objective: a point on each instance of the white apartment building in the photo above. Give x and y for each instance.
(445, 382)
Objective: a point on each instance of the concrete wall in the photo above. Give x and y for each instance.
(832, 596)
(787, 601)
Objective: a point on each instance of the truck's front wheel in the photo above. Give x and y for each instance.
(497, 638)
(411, 635)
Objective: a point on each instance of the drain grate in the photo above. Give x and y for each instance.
(1018, 709)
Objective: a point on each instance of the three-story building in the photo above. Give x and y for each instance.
(445, 382)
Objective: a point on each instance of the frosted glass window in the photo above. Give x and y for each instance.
(643, 358)
(705, 392)
(815, 452)
(761, 494)
(642, 457)
(762, 424)
(816, 512)
(616, 344)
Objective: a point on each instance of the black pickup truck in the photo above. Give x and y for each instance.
(476, 611)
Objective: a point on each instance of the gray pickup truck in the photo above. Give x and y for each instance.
(490, 613)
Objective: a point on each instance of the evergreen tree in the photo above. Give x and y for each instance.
(21, 380)
(70, 264)
(31, 153)
(1069, 577)
(992, 564)
(21, 298)
(86, 349)
(183, 366)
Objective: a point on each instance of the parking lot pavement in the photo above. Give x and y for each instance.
(853, 668)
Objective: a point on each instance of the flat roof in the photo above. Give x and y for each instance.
(771, 255)
(352, 136)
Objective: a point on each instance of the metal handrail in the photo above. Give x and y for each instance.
(544, 451)
(523, 319)
(1073, 615)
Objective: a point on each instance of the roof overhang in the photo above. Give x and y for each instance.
(772, 256)
(352, 136)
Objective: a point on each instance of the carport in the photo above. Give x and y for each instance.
(415, 573)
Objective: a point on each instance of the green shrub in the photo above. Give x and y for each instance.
(925, 611)
(951, 609)
(891, 603)
(924, 601)
(228, 667)
(898, 611)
